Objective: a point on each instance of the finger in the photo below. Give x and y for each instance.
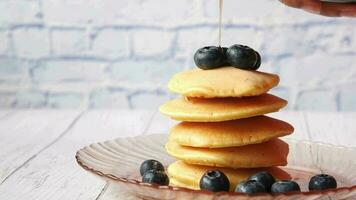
(335, 9)
(293, 3)
(312, 6)
(348, 13)
(329, 10)
(324, 8)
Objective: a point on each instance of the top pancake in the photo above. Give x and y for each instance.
(222, 82)
(221, 109)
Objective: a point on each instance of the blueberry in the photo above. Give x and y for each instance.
(214, 180)
(250, 187)
(224, 50)
(151, 165)
(265, 178)
(243, 57)
(322, 182)
(156, 177)
(258, 62)
(285, 186)
(209, 57)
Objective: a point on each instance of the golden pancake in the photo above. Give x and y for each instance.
(229, 133)
(268, 154)
(222, 82)
(221, 109)
(186, 175)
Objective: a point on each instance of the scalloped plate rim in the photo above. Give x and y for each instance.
(175, 188)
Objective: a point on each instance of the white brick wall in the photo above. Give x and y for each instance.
(4, 47)
(110, 97)
(19, 12)
(59, 71)
(111, 44)
(31, 42)
(152, 43)
(68, 42)
(120, 54)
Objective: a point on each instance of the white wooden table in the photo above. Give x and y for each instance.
(37, 147)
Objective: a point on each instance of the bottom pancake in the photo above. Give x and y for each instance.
(268, 154)
(188, 176)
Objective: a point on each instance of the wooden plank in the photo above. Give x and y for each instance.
(25, 133)
(333, 128)
(54, 174)
(113, 192)
(5, 113)
(160, 124)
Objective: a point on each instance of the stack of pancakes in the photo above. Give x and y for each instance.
(223, 126)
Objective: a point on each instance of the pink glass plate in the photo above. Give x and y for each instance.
(118, 161)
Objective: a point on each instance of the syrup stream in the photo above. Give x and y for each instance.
(221, 2)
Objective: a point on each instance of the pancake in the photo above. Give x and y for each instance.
(268, 154)
(185, 175)
(221, 109)
(222, 82)
(229, 133)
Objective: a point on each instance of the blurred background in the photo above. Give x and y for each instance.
(119, 54)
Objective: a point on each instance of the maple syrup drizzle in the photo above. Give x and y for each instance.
(221, 3)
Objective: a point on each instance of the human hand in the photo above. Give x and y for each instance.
(324, 8)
